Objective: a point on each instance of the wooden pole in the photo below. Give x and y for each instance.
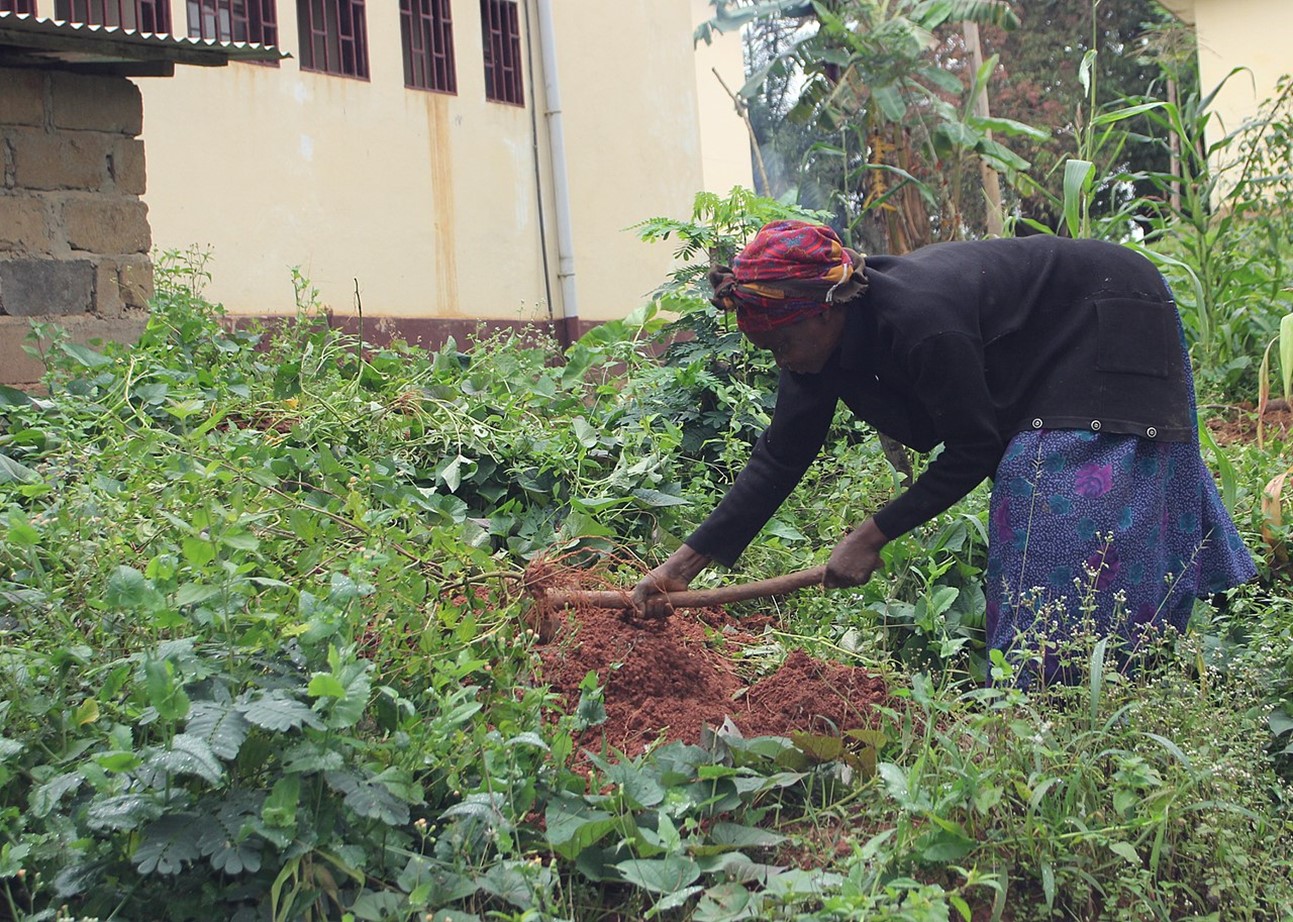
(991, 182)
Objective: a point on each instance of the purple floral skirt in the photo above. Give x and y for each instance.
(1116, 534)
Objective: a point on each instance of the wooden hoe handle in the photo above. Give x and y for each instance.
(692, 598)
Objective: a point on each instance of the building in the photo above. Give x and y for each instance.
(1226, 32)
(439, 163)
(74, 233)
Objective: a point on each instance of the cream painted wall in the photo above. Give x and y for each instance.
(1255, 34)
(430, 200)
(725, 140)
(420, 196)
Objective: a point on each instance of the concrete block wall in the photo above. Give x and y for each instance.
(74, 234)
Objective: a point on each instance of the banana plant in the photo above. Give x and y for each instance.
(900, 126)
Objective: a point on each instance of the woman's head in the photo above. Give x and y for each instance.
(785, 287)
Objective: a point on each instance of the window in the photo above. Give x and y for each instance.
(334, 37)
(502, 35)
(137, 15)
(427, 31)
(234, 21)
(18, 6)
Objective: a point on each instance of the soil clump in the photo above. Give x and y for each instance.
(664, 680)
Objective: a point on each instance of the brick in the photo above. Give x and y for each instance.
(107, 225)
(135, 282)
(22, 97)
(46, 287)
(60, 160)
(17, 367)
(25, 225)
(107, 291)
(126, 166)
(83, 102)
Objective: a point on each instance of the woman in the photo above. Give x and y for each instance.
(1057, 367)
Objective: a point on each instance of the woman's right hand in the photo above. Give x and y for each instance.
(674, 575)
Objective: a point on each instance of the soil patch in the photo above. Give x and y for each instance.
(666, 680)
(1238, 423)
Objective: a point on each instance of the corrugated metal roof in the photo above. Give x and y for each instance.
(31, 41)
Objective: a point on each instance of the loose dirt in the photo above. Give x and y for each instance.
(664, 680)
(1238, 423)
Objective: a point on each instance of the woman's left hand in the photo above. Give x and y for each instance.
(856, 557)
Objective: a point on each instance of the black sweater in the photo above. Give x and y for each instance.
(966, 344)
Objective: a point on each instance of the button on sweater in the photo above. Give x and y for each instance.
(965, 344)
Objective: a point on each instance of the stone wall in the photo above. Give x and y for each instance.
(74, 234)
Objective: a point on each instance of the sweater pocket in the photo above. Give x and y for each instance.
(1132, 336)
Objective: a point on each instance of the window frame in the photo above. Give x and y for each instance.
(345, 53)
(19, 7)
(140, 16)
(426, 34)
(501, 37)
(259, 20)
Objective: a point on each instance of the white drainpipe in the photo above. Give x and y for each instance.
(560, 182)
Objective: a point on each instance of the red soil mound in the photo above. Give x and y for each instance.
(665, 680)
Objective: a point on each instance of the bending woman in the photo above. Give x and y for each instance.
(1055, 366)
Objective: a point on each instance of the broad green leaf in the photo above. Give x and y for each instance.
(197, 551)
(660, 875)
(572, 825)
(516, 882)
(380, 905)
(13, 472)
(119, 761)
(279, 809)
(165, 691)
(818, 747)
(638, 782)
(658, 499)
(1280, 723)
(895, 780)
(195, 593)
(672, 900)
(736, 835)
(12, 397)
(724, 902)
(84, 355)
(87, 712)
(9, 748)
(999, 156)
(21, 532)
(943, 847)
(889, 98)
(586, 434)
(1125, 850)
(324, 683)
(130, 590)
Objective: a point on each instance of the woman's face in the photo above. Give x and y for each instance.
(804, 347)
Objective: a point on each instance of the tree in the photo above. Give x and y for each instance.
(1138, 54)
(877, 119)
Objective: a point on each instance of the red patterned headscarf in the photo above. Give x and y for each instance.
(789, 272)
